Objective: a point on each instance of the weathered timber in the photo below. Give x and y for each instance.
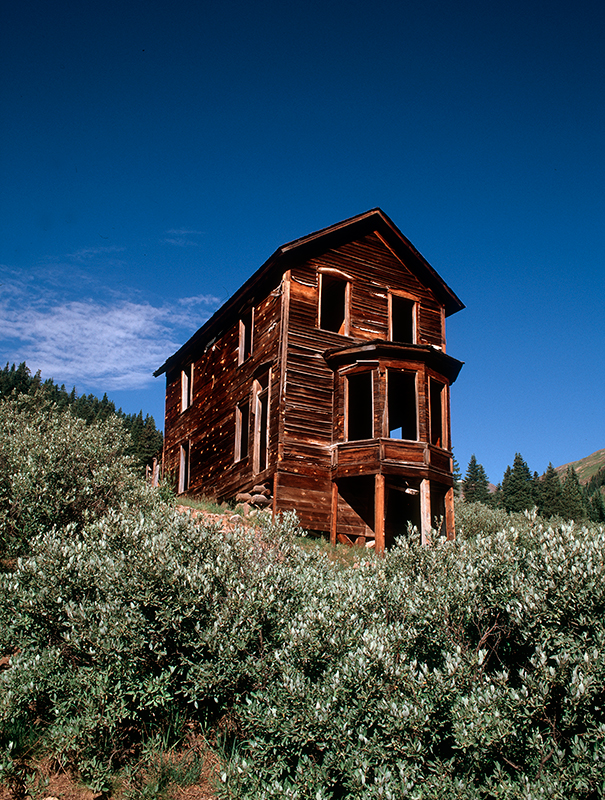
(325, 378)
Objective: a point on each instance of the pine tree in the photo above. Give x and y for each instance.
(475, 483)
(517, 486)
(457, 476)
(596, 507)
(550, 494)
(147, 439)
(572, 499)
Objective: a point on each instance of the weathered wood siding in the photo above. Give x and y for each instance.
(313, 397)
(219, 384)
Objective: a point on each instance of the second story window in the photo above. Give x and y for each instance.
(334, 303)
(359, 408)
(437, 393)
(186, 387)
(246, 325)
(402, 406)
(402, 319)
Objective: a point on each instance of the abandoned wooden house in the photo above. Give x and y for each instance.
(324, 379)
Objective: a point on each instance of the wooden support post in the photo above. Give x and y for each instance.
(334, 513)
(379, 512)
(425, 511)
(450, 522)
(275, 490)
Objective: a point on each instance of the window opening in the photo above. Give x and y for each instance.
(261, 423)
(402, 319)
(184, 467)
(186, 387)
(402, 414)
(246, 324)
(360, 413)
(333, 304)
(436, 413)
(242, 424)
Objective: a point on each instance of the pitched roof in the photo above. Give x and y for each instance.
(311, 245)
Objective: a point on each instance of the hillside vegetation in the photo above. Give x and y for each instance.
(587, 467)
(473, 669)
(145, 438)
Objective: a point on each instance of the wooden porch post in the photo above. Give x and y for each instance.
(450, 522)
(379, 512)
(425, 511)
(334, 513)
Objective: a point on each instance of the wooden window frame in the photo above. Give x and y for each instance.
(261, 393)
(246, 336)
(444, 444)
(186, 387)
(415, 312)
(184, 466)
(242, 430)
(349, 374)
(387, 421)
(333, 274)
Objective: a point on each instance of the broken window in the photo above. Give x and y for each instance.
(403, 312)
(333, 303)
(186, 387)
(402, 415)
(359, 406)
(246, 324)
(436, 390)
(242, 424)
(261, 421)
(184, 467)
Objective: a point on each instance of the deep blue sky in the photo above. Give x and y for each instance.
(153, 155)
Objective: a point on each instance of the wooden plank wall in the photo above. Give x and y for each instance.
(219, 384)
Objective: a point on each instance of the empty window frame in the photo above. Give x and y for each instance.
(242, 426)
(246, 337)
(184, 466)
(359, 406)
(436, 412)
(402, 319)
(334, 303)
(261, 421)
(186, 387)
(402, 405)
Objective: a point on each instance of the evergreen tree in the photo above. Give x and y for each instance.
(457, 476)
(517, 486)
(475, 483)
(596, 507)
(536, 490)
(550, 494)
(146, 438)
(572, 499)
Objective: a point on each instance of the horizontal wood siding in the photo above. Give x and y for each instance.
(308, 495)
(219, 384)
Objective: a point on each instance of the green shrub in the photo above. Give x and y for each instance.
(55, 470)
(468, 669)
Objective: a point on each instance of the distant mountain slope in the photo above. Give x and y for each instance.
(585, 467)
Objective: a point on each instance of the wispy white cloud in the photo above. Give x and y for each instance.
(179, 237)
(86, 253)
(102, 344)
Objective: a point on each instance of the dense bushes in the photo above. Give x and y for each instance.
(472, 669)
(54, 469)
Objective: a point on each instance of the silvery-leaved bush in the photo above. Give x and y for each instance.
(468, 669)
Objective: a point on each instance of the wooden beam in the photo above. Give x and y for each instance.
(425, 511)
(450, 522)
(334, 513)
(379, 512)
